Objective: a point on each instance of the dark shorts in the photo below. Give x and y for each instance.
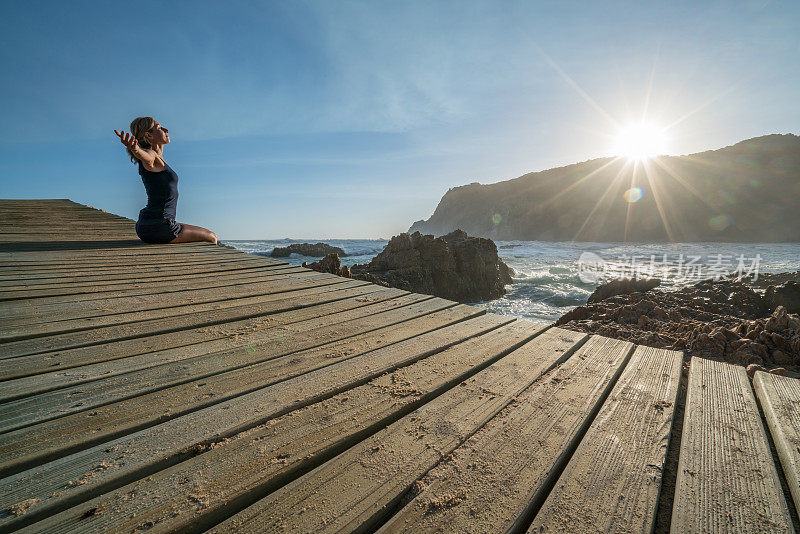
(158, 231)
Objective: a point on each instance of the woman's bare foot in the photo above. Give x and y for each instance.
(192, 233)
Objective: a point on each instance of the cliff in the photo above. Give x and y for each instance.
(747, 192)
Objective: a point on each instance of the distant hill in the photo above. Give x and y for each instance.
(748, 192)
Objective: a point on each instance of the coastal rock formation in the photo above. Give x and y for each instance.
(726, 320)
(786, 295)
(746, 193)
(455, 267)
(330, 264)
(317, 250)
(623, 286)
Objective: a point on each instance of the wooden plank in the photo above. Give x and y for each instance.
(486, 485)
(302, 295)
(174, 311)
(264, 457)
(166, 281)
(726, 476)
(82, 292)
(243, 367)
(37, 311)
(103, 272)
(780, 399)
(613, 481)
(147, 307)
(29, 375)
(78, 430)
(149, 450)
(69, 298)
(29, 311)
(358, 488)
(14, 308)
(120, 256)
(124, 250)
(132, 275)
(113, 263)
(34, 291)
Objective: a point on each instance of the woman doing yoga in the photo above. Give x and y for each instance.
(156, 224)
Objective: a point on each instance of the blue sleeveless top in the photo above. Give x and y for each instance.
(162, 193)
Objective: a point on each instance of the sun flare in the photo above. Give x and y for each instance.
(640, 141)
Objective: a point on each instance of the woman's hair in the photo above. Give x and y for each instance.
(139, 127)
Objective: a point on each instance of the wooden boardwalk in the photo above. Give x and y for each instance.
(194, 388)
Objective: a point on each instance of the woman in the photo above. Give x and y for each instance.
(156, 224)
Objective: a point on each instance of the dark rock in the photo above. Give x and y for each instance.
(623, 286)
(723, 319)
(455, 266)
(328, 264)
(317, 250)
(786, 295)
(781, 358)
(753, 367)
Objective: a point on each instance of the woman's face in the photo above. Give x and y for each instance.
(158, 135)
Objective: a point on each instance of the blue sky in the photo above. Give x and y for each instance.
(343, 119)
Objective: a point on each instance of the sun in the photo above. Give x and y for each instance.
(640, 141)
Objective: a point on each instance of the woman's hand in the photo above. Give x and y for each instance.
(128, 140)
(147, 157)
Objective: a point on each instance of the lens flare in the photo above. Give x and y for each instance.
(497, 219)
(634, 194)
(720, 222)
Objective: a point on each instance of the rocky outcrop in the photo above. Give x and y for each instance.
(329, 264)
(317, 250)
(455, 267)
(623, 286)
(724, 320)
(786, 295)
(746, 192)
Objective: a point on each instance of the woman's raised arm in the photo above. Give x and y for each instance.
(145, 156)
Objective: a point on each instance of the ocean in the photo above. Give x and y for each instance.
(553, 278)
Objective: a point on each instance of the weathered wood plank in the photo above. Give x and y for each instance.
(488, 483)
(76, 297)
(302, 295)
(119, 256)
(49, 336)
(358, 488)
(102, 272)
(612, 482)
(126, 250)
(112, 359)
(106, 422)
(265, 456)
(25, 310)
(156, 273)
(116, 264)
(152, 449)
(726, 476)
(227, 372)
(67, 289)
(780, 400)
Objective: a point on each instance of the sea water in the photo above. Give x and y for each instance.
(551, 278)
